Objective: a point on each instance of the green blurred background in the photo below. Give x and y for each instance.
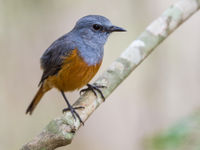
(163, 89)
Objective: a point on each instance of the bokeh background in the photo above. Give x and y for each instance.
(163, 89)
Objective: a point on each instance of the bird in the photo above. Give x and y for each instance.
(72, 60)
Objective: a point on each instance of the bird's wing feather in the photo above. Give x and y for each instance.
(52, 59)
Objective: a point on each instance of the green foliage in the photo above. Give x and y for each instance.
(183, 135)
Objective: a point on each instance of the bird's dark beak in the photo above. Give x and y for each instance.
(116, 29)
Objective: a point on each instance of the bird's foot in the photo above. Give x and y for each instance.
(94, 88)
(74, 113)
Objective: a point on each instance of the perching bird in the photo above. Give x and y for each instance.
(72, 60)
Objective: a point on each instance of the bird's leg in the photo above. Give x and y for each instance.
(72, 109)
(94, 88)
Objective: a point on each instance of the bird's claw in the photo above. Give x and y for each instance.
(74, 113)
(94, 88)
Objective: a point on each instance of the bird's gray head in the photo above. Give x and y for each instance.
(92, 32)
(95, 28)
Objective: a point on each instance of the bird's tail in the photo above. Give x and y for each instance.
(36, 99)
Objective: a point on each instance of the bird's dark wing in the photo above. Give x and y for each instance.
(52, 59)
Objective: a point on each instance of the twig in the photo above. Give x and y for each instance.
(60, 131)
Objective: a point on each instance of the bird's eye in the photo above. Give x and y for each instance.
(97, 26)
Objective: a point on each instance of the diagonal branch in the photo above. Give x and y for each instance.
(60, 132)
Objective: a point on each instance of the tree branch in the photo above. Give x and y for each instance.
(60, 131)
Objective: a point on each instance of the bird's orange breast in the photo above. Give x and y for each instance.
(74, 73)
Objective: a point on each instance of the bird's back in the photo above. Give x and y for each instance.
(52, 59)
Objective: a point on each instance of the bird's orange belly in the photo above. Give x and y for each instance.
(74, 73)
